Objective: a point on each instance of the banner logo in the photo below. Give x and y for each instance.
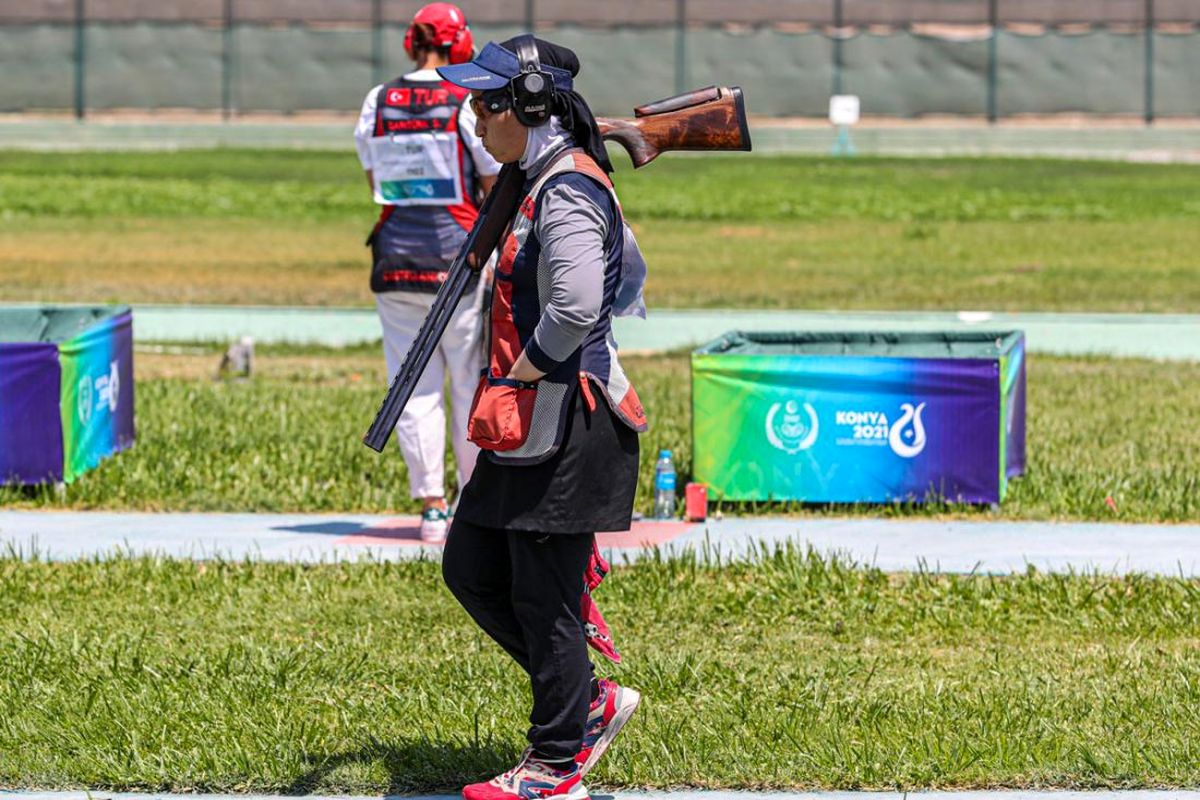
(905, 436)
(83, 399)
(108, 388)
(788, 431)
(92, 393)
(908, 442)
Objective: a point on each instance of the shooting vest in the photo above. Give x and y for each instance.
(523, 423)
(425, 181)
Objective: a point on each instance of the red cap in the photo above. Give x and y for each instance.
(447, 20)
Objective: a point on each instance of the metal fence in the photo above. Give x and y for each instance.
(949, 56)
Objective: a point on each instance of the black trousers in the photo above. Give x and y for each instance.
(523, 589)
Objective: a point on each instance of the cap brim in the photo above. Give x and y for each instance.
(472, 76)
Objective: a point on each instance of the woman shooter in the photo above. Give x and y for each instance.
(554, 413)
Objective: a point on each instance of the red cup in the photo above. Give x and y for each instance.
(696, 507)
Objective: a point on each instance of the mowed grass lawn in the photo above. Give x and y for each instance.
(367, 678)
(789, 672)
(246, 226)
(290, 440)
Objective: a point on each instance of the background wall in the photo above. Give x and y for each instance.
(903, 58)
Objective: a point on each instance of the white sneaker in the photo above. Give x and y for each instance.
(434, 524)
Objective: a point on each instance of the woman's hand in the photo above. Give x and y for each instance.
(524, 371)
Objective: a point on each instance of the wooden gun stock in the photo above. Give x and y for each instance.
(706, 119)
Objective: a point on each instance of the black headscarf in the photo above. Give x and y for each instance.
(571, 108)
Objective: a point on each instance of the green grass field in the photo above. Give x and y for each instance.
(789, 672)
(245, 226)
(367, 678)
(290, 440)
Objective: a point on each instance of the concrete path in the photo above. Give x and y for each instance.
(891, 545)
(1163, 336)
(1167, 142)
(1159, 794)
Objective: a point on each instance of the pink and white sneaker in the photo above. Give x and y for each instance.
(609, 712)
(435, 522)
(531, 779)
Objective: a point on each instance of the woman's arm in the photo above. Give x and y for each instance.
(571, 229)
(363, 130)
(522, 370)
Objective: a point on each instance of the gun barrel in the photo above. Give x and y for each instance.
(430, 332)
(499, 206)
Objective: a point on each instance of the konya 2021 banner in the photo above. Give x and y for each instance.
(859, 417)
(66, 390)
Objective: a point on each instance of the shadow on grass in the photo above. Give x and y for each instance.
(412, 766)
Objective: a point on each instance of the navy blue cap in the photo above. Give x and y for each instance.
(494, 67)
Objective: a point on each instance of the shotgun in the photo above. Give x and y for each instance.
(706, 119)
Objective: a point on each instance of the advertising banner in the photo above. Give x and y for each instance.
(30, 434)
(97, 393)
(1012, 398)
(850, 418)
(66, 390)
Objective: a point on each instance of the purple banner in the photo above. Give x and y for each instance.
(31, 443)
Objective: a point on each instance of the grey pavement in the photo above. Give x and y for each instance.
(995, 547)
(1161, 336)
(1087, 138)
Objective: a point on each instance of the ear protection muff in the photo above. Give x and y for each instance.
(462, 49)
(408, 43)
(532, 89)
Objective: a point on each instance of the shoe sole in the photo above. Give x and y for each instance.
(580, 792)
(628, 703)
(577, 792)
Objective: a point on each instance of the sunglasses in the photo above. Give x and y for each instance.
(492, 102)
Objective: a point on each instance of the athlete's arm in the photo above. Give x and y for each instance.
(522, 370)
(363, 130)
(571, 229)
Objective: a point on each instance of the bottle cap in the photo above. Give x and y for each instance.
(664, 453)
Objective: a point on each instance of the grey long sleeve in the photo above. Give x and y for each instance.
(571, 230)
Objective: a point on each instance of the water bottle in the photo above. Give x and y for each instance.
(664, 486)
